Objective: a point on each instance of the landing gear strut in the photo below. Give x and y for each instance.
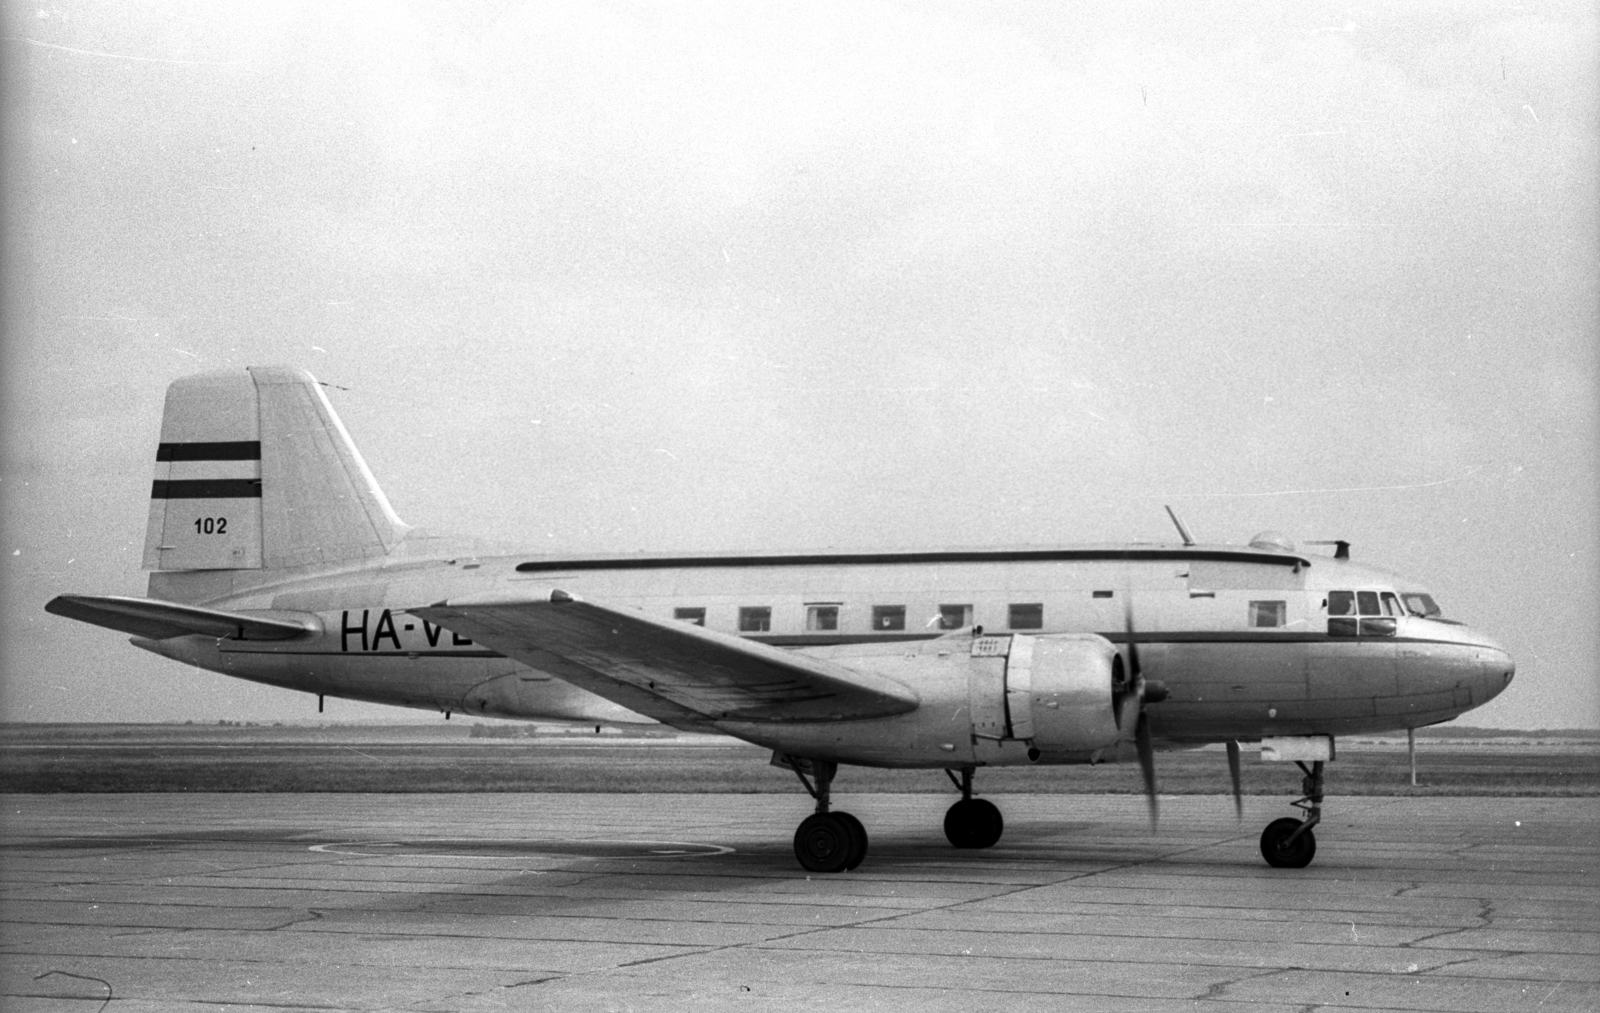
(826, 841)
(1289, 843)
(971, 822)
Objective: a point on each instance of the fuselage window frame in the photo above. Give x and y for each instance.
(1272, 613)
(955, 617)
(755, 619)
(888, 618)
(1026, 615)
(822, 617)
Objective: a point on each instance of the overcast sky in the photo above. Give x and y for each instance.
(858, 275)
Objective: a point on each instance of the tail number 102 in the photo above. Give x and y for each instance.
(211, 525)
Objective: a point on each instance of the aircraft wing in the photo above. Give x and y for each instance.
(674, 671)
(159, 620)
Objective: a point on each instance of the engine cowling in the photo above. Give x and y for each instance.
(1059, 692)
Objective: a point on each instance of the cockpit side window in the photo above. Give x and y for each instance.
(1419, 604)
(1362, 613)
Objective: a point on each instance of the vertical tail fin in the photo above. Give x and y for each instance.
(255, 471)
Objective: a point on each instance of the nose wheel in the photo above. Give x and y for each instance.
(1288, 843)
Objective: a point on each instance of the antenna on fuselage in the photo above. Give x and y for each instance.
(1183, 530)
(1341, 548)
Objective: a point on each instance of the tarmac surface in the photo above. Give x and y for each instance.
(646, 901)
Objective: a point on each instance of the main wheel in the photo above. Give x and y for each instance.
(1282, 853)
(973, 823)
(858, 850)
(825, 843)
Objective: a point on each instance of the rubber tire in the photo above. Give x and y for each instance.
(858, 850)
(973, 823)
(1297, 855)
(824, 843)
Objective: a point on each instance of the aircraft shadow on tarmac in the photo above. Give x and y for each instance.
(1028, 841)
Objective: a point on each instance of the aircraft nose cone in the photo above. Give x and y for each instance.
(1495, 667)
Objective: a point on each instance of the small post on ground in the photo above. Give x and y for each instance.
(1411, 747)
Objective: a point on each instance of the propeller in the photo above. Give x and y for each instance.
(1233, 772)
(1134, 685)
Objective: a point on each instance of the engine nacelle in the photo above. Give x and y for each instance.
(1059, 692)
(986, 700)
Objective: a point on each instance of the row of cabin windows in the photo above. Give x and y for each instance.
(885, 618)
(891, 618)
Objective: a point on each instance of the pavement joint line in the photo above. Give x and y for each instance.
(1254, 1004)
(177, 958)
(768, 941)
(1259, 972)
(1188, 960)
(1411, 884)
(1477, 958)
(1216, 990)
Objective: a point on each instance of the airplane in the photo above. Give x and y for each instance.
(275, 557)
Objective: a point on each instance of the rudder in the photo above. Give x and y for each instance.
(255, 471)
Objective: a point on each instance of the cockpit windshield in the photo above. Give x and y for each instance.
(1419, 604)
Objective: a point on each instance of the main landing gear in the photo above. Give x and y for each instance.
(827, 841)
(971, 822)
(1289, 843)
(837, 842)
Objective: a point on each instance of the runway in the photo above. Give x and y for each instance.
(646, 901)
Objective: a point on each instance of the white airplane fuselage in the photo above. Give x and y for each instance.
(1241, 638)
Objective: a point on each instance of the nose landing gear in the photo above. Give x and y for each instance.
(971, 822)
(826, 841)
(1289, 843)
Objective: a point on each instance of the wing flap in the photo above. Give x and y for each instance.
(629, 657)
(162, 620)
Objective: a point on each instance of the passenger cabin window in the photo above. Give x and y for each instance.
(696, 616)
(888, 617)
(1268, 613)
(1362, 613)
(756, 619)
(1027, 616)
(955, 617)
(822, 617)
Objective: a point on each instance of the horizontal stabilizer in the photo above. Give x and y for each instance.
(668, 669)
(159, 620)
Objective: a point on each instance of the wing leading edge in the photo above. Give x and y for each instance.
(670, 670)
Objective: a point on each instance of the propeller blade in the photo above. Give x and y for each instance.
(1233, 772)
(1147, 765)
(1135, 672)
(1131, 683)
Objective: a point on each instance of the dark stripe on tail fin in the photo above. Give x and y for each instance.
(238, 450)
(207, 488)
